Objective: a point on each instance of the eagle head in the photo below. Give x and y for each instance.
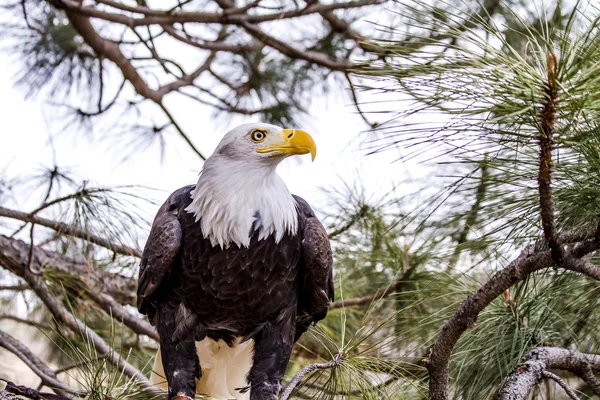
(239, 192)
(265, 143)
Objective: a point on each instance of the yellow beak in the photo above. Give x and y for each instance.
(292, 142)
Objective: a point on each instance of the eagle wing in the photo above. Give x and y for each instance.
(316, 285)
(160, 251)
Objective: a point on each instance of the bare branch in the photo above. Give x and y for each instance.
(561, 383)
(13, 256)
(234, 16)
(70, 230)
(212, 46)
(337, 360)
(38, 367)
(335, 64)
(35, 324)
(539, 360)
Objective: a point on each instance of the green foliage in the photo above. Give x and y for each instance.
(489, 90)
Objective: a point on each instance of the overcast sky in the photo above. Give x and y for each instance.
(338, 132)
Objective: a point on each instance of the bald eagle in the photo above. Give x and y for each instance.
(235, 270)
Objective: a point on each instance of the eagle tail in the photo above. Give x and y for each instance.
(224, 369)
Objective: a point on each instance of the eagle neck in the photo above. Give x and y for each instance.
(235, 198)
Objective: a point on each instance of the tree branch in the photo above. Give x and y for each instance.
(14, 261)
(468, 311)
(234, 16)
(35, 324)
(527, 374)
(38, 367)
(120, 313)
(187, 80)
(334, 64)
(14, 253)
(70, 230)
(337, 360)
(548, 119)
(111, 51)
(63, 316)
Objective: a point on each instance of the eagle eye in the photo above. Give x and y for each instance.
(258, 135)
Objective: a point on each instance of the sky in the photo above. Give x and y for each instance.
(31, 140)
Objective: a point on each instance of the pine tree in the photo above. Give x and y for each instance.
(481, 282)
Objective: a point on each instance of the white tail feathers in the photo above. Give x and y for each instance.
(224, 369)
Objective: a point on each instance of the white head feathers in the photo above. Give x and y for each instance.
(239, 190)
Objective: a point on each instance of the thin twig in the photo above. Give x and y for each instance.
(337, 360)
(15, 288)
(561, 383)
(471, 217)
(370, 298)
(39, 325)
(364, 209)
(79, 364)
(181, 132)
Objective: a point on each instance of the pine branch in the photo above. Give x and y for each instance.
(468, 311)
(89, 287)
(527, 374)
(70, 230)
(38, 367)
(337, 360)
(547, 126)
(14, 262)
(64, 317)
(14, 257)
